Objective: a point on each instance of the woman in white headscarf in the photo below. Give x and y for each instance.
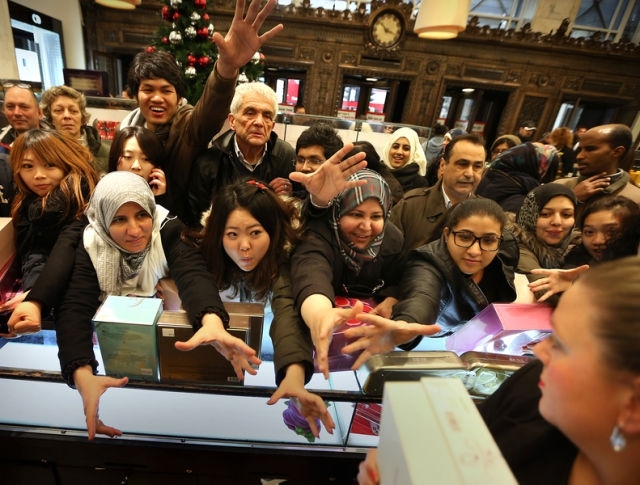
(128, 245)
(404, 155)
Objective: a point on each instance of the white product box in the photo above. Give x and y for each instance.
(431, 432)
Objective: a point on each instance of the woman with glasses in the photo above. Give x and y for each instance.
(572, 415)
(353, 252)
(139, 150)
(446, 282)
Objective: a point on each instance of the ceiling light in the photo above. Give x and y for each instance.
(120, 4)
(468, 90)
(441, 19)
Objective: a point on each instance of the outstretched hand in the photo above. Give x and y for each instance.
(322, 332)
(242, 40)
(235, 350)
(310, 405)
(331, 177)
(555, 280)
(382, 335)
(91, 387)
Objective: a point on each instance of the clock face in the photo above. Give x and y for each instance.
(387, 29)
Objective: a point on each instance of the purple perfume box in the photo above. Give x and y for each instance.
(501, 326)
(337, 360)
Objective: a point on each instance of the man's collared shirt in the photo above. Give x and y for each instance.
(249, 166)
(447, 200)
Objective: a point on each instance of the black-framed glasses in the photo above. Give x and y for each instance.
(10, 84)
(466, 239)
(312, 161)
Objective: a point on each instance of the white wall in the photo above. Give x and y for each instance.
(71, 18)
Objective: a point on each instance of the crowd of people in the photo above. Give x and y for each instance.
(427, 240)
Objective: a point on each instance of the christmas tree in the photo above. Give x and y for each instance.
(186, 32)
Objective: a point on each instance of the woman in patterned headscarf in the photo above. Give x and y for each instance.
(354, 252)
(517, 171)
(544, 228)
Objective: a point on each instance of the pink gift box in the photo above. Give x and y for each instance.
(499, 322)
(337, 360)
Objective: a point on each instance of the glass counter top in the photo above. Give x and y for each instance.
(37, 400)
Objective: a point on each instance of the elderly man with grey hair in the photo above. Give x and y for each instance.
(249, 149)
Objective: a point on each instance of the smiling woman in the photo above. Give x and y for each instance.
(450, 280)
(353, 251)
(405, 157)
(544, 227)
(127, 245)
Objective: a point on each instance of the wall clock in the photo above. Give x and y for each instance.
(387, 29)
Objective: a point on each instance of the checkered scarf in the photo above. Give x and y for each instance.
(347, 201)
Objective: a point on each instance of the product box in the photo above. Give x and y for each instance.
(204, 364)
(431, 432)
(337, 360)
(126, 331)
(497, 324)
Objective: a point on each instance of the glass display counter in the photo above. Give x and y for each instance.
(174, 413)
(173, 433)
(193, 432)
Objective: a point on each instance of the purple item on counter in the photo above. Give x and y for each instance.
(296, 422)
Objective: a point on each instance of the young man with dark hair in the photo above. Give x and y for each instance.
(313, 147)
(155, 80)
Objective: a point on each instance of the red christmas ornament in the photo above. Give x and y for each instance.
(191, 59)
(201, 4)
(205, 16)
(150, 48)
(165, 40)
(166, 12)
(203, 32)
(176, 16)
(204, 61)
